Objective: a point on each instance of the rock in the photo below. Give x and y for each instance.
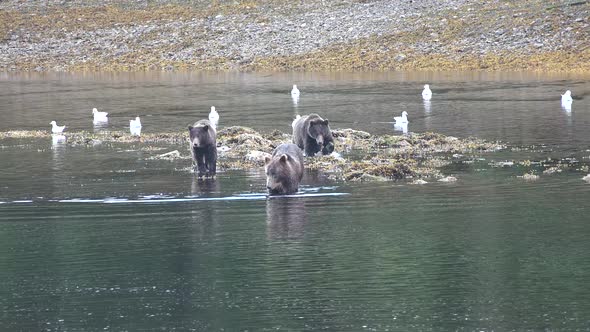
(503, 164)
(404, 143)
(172, 155)
(529, 177)
(223, 149)
(400, 57)
(448, 179)
(419, 181)
(256, 156)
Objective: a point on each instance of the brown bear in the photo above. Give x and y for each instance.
(284, 170)
(203, 145)
(312, 134)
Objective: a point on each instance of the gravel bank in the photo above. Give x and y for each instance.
(298, 35)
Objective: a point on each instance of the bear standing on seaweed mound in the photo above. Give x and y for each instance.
(312, 134)
(284, 170)
(203, 145)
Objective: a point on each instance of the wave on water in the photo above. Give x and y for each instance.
(241, 197)
(161, 199)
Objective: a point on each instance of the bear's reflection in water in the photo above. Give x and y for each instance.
(205, 218)
(286, 217)
(204, 186)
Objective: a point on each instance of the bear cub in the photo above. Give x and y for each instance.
(203, 146)
(312, 134)
(284, 170)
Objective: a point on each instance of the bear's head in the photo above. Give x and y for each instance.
(278, 175)
(199, 135)
(319, 130)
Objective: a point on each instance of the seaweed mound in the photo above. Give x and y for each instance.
(361, 156)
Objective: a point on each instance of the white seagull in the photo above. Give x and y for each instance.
(295, 91)
(426, 93)
(566, 98)
(135, 126)
(99, 116)
(56, 129)
(214, 117)
(401, 119)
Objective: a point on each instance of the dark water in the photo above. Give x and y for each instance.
(104, 238)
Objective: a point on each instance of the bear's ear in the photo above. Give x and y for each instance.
(284, 158)
(266, 160)
(206, 127)
(190, 127)
(326, 122)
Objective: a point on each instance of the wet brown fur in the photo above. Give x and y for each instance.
(284, 170)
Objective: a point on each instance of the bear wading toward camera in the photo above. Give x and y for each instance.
(203, 145)
(312, 134)
(284, 169)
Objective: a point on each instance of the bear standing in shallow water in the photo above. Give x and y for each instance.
(312, 134)
(284, 170)
(203, 145)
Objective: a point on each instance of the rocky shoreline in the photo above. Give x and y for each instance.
(83, 35)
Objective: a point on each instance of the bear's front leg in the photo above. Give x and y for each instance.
(211, 160)
(328, 148)
(200, 156)
(310, 147)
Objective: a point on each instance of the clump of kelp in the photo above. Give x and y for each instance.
(360, 156)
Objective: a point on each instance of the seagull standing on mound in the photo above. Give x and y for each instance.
(566, 98)
(99, 116)
(401, 119)
(214, 117)
(135, 126)
(295, 91)
(426, 93)
(56, 129)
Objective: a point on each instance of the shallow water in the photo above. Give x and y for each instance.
(105, 238)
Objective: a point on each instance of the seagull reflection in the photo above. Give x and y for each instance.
(100, 124)
(427, 106)
(285, 217)
(58, 146)
(57, 140)
(403, 127)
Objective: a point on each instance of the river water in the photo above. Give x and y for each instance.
(104, 238)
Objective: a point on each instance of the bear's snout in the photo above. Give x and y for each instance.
(320, 140)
